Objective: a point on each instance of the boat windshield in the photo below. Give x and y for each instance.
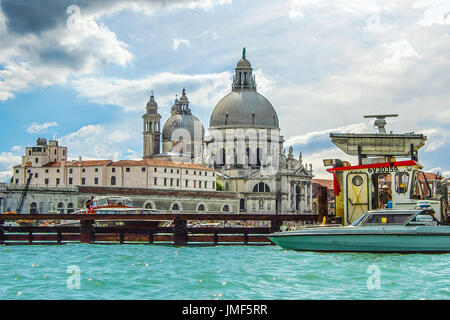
(357, 221)
(387, 218)
(120, 202)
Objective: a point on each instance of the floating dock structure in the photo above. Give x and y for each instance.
(179, 234)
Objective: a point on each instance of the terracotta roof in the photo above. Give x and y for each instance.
(160, 163)
(53, 164)
(324, 183)
(87, 163)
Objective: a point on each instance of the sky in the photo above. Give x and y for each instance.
(82, 71)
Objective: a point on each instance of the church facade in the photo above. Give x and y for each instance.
(239, 166)
(244, 147)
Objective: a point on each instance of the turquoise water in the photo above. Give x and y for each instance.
(222, 272)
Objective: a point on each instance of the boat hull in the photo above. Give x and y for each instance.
(355, 242)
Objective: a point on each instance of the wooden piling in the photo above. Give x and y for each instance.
(87, 232)
(180, 232)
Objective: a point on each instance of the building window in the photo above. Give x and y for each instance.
(171, 170)
(61, 208)
(242, 204)
(186, 183)
(36, 175)
(178, 182)
(57, 181)
(165, 169)
(171, 182)
(175, 207)
(187, 172)
(143, 169)
(113, 180)
(195, 173)
(195, 184)
(165, 181)
(83, 170)
(199, 184)
(46, 181)
(71, 170)
(95, 180)
(70, 181)
(46, 170)
(127, 169)
(113, 169)
(156, 169)
(33, 208)
(201, 207)
(36, 160)
(178, 170)
(226, 208)
(261, 187)
(83, 181)
(96, 169)
(155, 181)
(70, 208)
(57, 170)
(17, 181)
(148, 206)
(17, 171)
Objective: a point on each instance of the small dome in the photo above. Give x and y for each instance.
(186, 121)
(152, 106)
(243, 64)
(244, 109)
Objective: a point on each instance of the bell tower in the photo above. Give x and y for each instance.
(152, 129)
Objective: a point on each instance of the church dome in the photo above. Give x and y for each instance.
(188, 122)
(244, 109)
(182, 117)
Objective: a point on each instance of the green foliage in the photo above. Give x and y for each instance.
(219, 187)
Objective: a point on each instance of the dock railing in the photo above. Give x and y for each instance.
(179, 232)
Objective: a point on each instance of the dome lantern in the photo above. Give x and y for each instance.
(243, 107)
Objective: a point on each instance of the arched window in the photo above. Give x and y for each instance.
(61, 208)
(70, 208)
(33, 208)
(113, 180)
(261, 187)
(226, 208)
(148, 205)
(175, 207)
(201, 207)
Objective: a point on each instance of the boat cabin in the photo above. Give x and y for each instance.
(395, 185)
(396, 217)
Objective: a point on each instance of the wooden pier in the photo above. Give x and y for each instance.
(179, 234)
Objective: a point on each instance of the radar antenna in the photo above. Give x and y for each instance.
(380, 121)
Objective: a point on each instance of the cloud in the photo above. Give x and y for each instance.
(46, 42)
(7, 161)
(132, 94)
(323, 134)
(97, 141)
(35, 127)
(177, 42)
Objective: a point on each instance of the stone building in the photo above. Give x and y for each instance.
(243, 151)
(245, 147)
